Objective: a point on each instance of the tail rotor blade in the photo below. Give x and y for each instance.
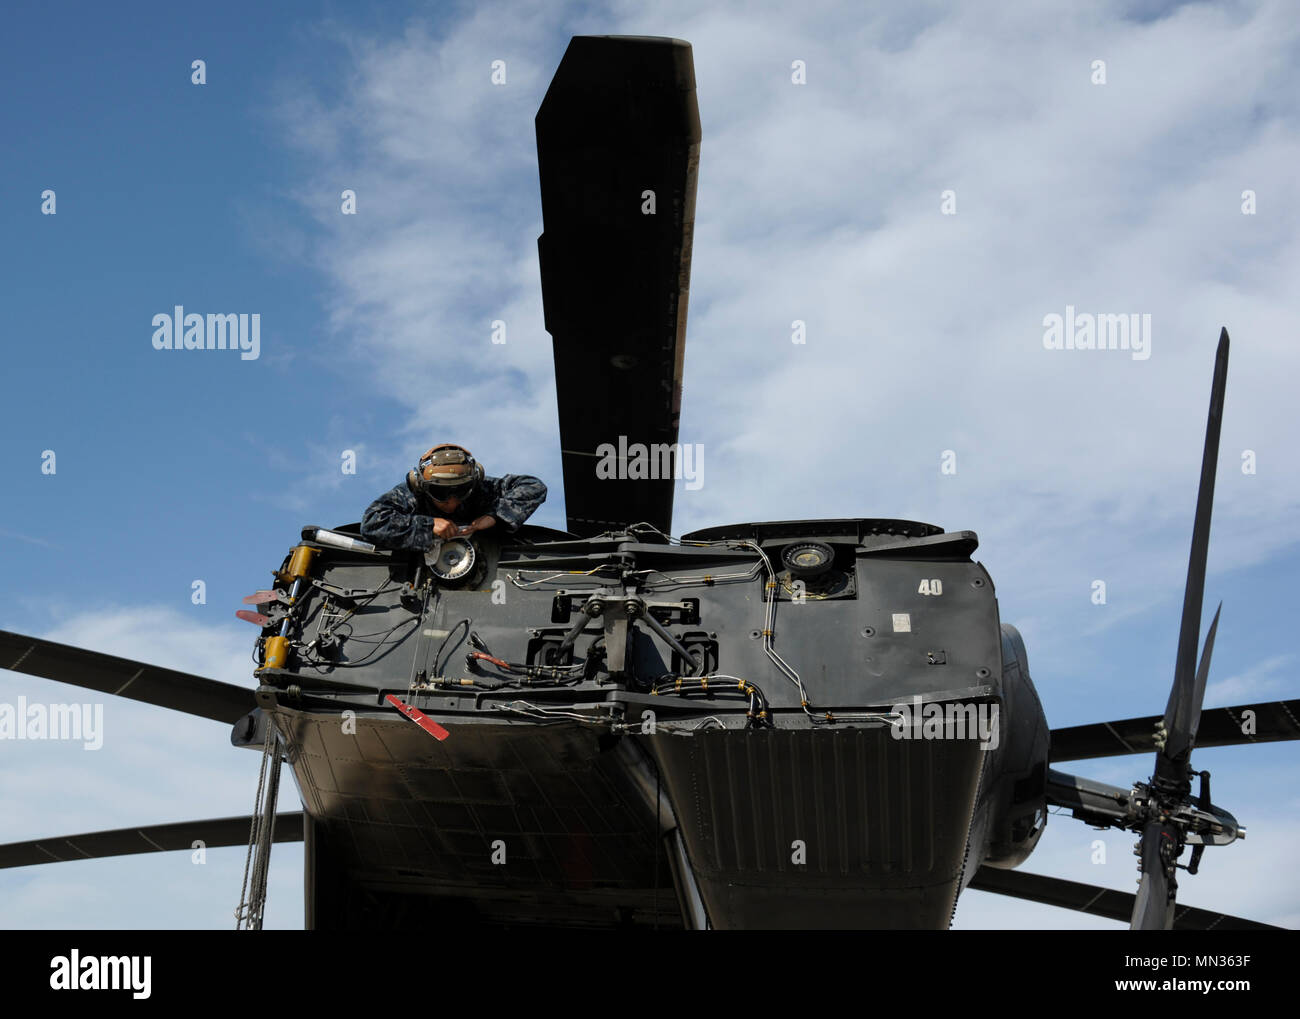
(1153, 909)
(1181, 696)
(1183, 714)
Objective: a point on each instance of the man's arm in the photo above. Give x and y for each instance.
(393, 521)
(518, 495)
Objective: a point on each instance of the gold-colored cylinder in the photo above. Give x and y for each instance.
(277, 652)
(300, 562)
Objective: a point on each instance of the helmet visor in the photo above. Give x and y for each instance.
(441, 493)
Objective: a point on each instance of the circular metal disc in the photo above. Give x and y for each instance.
(454, 560)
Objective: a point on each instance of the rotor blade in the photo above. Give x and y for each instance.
(1153, 905)
(1096, 901)
(1183, 704)
(1186, 715)
(619, 129)
(223, 831)
(122, 677)
(1219, 727)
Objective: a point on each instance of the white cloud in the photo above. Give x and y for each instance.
(1261, 680)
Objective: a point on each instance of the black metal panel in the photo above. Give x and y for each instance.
(407, 815)
(619, 119)
(886, 643)
(883, 822)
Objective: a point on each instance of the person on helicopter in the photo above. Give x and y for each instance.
(449, 495)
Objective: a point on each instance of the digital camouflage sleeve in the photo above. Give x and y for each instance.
(400, 519)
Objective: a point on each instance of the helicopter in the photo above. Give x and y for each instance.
(778, 724)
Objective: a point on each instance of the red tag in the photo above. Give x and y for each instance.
(419, 718)
(253, 617)
(262, 597)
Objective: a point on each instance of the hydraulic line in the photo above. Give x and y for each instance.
(769, 628)
(758, 707)
(277, 647)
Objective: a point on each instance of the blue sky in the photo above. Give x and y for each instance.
(819, 202)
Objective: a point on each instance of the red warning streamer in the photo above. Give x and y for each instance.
(419, 718)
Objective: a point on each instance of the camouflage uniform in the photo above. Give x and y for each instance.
(402, 519)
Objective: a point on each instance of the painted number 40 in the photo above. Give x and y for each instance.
(934, 586)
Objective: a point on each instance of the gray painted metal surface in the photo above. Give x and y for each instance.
(789, 816)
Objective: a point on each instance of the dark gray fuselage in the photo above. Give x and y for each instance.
(618, 784)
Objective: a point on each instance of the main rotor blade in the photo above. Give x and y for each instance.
(1219, 727)
(1182, 693)
(618, 123)
(122, 677)
(1097, 901)
(214, 833)
(1153, 905)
